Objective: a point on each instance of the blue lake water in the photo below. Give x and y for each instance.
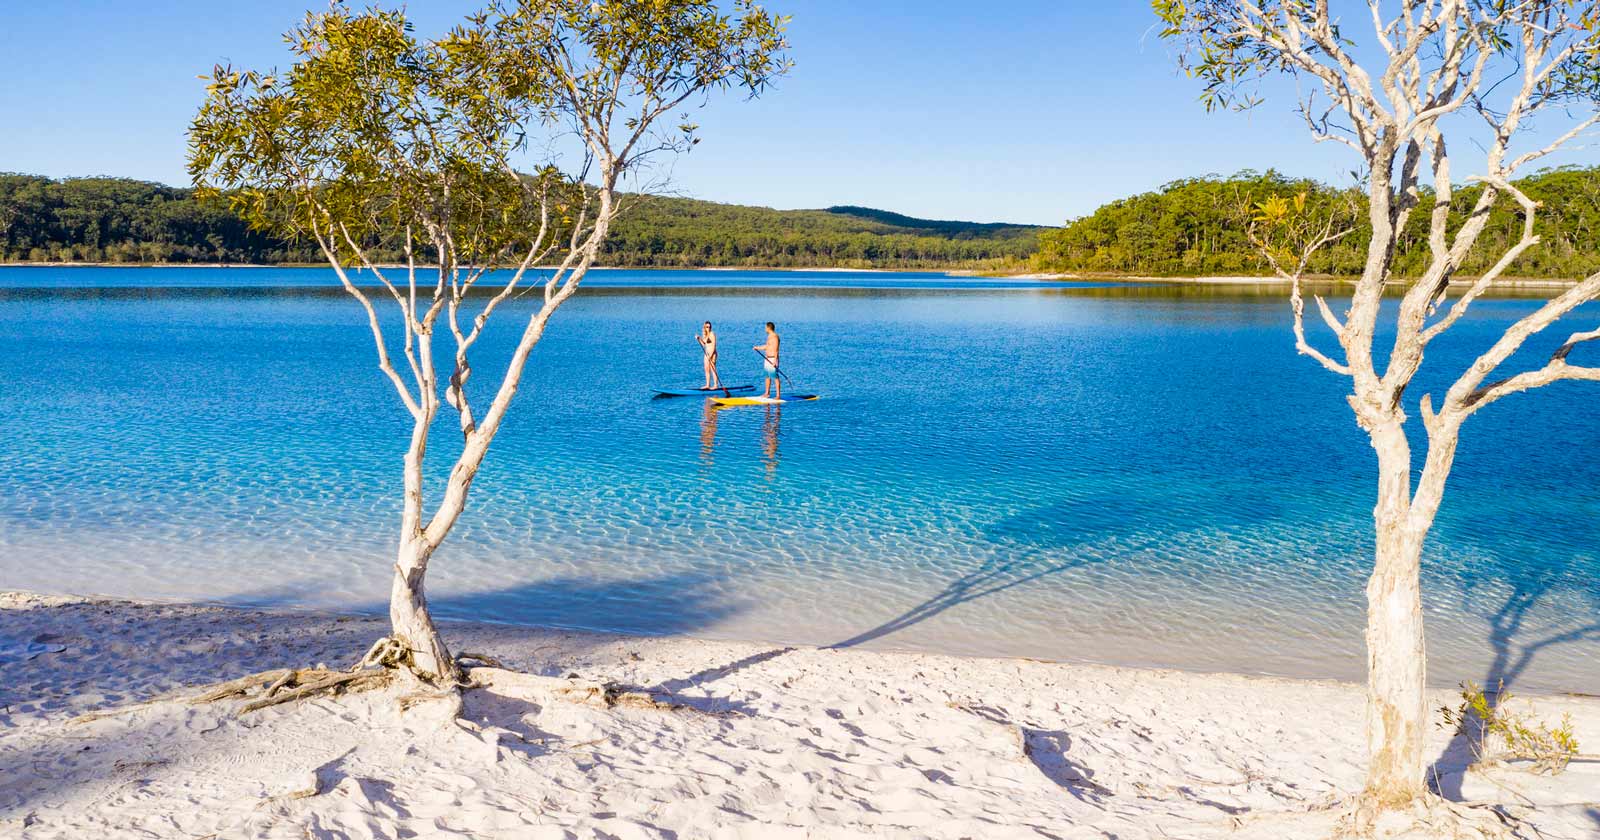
(1129, 474)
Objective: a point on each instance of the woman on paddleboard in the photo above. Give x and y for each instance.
(708, 343)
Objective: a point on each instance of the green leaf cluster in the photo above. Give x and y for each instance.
(1496, 732)
(372, 133)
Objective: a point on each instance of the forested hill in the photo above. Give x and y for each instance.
(1190, 227)
(685, 232)
(1197, 227)
(128, 221)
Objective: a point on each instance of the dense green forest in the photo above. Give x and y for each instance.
(126, 221)
(1198, 226)
(121, 220)
(684, 232)
(1189, 227)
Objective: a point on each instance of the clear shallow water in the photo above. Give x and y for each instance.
(1127, 475)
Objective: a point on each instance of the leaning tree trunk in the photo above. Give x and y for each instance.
(412, 625)
(1396, 665)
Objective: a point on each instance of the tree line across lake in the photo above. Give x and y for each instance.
(1195, 226)
(121, 220)
(1200, 226)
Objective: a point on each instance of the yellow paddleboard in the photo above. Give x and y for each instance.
(761, 400)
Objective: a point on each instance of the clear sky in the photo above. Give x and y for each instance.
(1015, 110)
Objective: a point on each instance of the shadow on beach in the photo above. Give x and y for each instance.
(1054, 539)
(667, 604)
(1032, 547)
(1516, 642)
(120, 653)
(1029, 547)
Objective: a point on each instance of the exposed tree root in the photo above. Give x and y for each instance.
(452, 695)
(308, 685)
(387, 652)
(376, 669)
(388, 659)
(467, 656)
(243, 685)
(285, 685)
(606, 695)
(1427, 817)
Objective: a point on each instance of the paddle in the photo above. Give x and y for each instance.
(774, 367)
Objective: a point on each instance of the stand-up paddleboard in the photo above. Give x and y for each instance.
(761, 400)
(729, 391)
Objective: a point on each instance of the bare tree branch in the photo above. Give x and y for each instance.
(372, 321)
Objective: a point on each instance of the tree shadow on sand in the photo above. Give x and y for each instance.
(1048, 541)
(188, 646)
(996, 575)
(1514, 644)
(1029, 548)
(1047, 750)
(668, 604)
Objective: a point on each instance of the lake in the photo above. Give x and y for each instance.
(1131, 474)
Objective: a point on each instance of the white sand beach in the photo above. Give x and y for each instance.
(766, 742)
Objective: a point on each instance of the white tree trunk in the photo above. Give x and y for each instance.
(1396, 661)
(412, 625)
(410, 622)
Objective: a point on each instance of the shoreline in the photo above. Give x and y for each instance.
(448, 622)
(753, 741)
(11, 598)
(1269, 280)
(971, 273)
(827, 270)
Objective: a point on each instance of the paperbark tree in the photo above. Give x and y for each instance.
(1437, 79)
(375, 139)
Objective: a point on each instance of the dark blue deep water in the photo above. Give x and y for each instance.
(1130, 474)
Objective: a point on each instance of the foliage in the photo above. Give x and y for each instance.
(372, 134)
(1202, 226)
(679, 232)
(124, 221)
(1192, 226)
(1228, 48)
(1497, 733)
(1189, 227)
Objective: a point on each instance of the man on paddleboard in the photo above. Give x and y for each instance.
(769, 369)
(708, 343)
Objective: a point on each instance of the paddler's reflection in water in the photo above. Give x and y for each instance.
(769, 439)
(708, 434)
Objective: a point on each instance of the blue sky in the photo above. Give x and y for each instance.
(1019, 110)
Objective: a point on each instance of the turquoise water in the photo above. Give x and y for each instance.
(1135, 475)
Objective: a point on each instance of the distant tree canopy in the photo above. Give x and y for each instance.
(683, 232)
(1199, 226)
(122, 220)
(125, 221)
(1189, 227)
